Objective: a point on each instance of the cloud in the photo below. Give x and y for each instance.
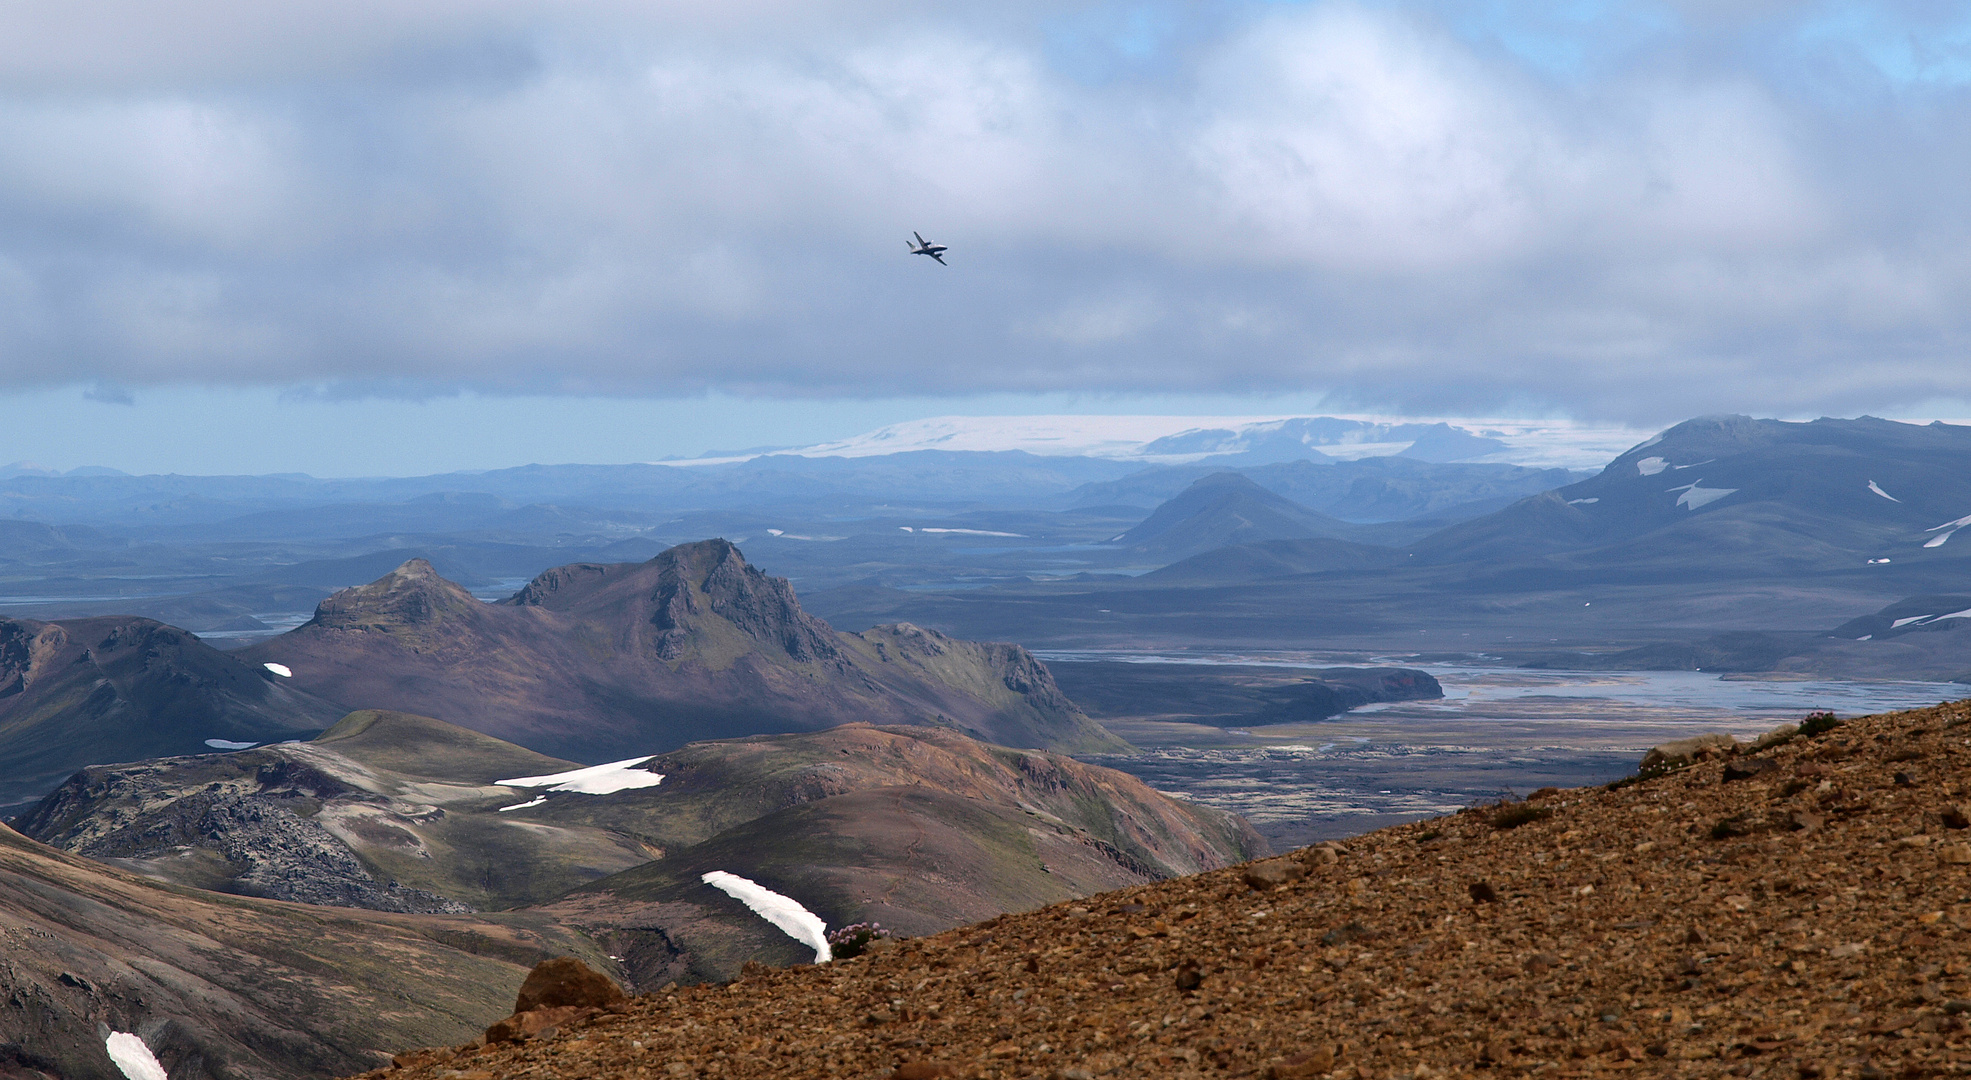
(1674, 209)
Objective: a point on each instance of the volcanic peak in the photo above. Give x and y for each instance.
(413, 595)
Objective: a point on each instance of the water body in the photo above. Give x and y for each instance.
(1498, 732)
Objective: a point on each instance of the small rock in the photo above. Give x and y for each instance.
(565, 981)
(1541, 963)
(1189, 977)
(923, 1070)
(1955, 818)
(1955, 854)
(1904, 779)
(1342, 935)
(1320, 855)
(1005, 1049)
(1483, 893)
(1748, 768)
(1802, 821)
(1071, 1074)
(1273, 873)
(1310, 1063)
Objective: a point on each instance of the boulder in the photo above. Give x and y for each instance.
(1682, 752)
(565, 981)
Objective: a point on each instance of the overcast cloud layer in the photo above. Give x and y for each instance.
(1636, 210)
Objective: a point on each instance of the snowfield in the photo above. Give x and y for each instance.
(228, 744)
(132, 1057)
(1695, 495)
(1946, 531)
(535, 801)
(787, 915)
(596, 779)
(282, 670)
(1650, 466)
(1877, 488)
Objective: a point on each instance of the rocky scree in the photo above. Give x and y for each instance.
(1823, 934)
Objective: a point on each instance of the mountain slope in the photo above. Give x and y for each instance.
(594, 662)
(1794, 912)
(1224, 509)
(1732, 495)
(954, 829)
(228, 988)
(81, 691)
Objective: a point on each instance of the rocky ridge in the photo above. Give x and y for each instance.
(1795, 908)
(594, 662)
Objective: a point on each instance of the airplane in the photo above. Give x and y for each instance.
(925, 247)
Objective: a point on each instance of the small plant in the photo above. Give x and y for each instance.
(1513, 815)
(845, 942)
(1819, 723)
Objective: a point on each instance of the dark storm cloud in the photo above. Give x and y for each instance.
(1642, 210)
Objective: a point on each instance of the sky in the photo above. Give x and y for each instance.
(360, 237)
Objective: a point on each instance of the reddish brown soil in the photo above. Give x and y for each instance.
(1803, 919)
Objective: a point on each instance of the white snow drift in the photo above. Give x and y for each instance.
(228, 744)
(1650, 466)
(1696, 495)
(535, 801)
(282, 670)
(596, 779)
(1877, 488)
(1946, 531)
(789, 916)
(132, 1057)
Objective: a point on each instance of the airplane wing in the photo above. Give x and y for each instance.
(919, 236)
(938, 257)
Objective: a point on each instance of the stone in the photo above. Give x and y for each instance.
(1483, 893)
(1749, 768)
(1541, 963)
(1273, 873)
(565, 981)
(1682, 752)
(1781, 734)
(1955, 854)
(1954, 817)
(1308, 1063)
(1189, 976)
(1320, 855)
(532, 1022)
(923, 1070)
(1802, 821)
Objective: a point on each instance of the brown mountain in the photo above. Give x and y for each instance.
(593, 662)
(230, 988)
(119, 688)
(1791, 909)
(918, 828)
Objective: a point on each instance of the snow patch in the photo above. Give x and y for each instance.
(790, 917)
(132, 1057)
(1877, 488)
(1947, 530)
(1696, 495)
(535, 801)
(282, 670)
(596, 779)
(1650, 466)
(1900, 623)
(973, 532)
(776, 532)
(1583, 502)
(1864, 637)
(228, 744)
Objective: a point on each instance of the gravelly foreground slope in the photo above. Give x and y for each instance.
(1799, 912)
